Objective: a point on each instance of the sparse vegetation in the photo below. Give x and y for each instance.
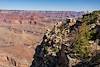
(59, 48)
(82, 46)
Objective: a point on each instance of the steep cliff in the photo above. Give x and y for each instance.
(56, 47)
(70, 44)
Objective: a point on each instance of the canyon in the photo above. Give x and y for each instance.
(22, 31)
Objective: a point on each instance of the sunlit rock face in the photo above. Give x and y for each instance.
(7, 60)
(22, 31)
(55, 48)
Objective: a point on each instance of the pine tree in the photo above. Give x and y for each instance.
(82, 46)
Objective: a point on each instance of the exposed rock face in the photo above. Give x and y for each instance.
(9, 16)
(55, 48)
(7, 60)
(17, 43)
(21, 31)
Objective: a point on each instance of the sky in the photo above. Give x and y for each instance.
(51, 5)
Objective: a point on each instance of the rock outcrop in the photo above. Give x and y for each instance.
(59, 45)
(55, 49)
(7, 60)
